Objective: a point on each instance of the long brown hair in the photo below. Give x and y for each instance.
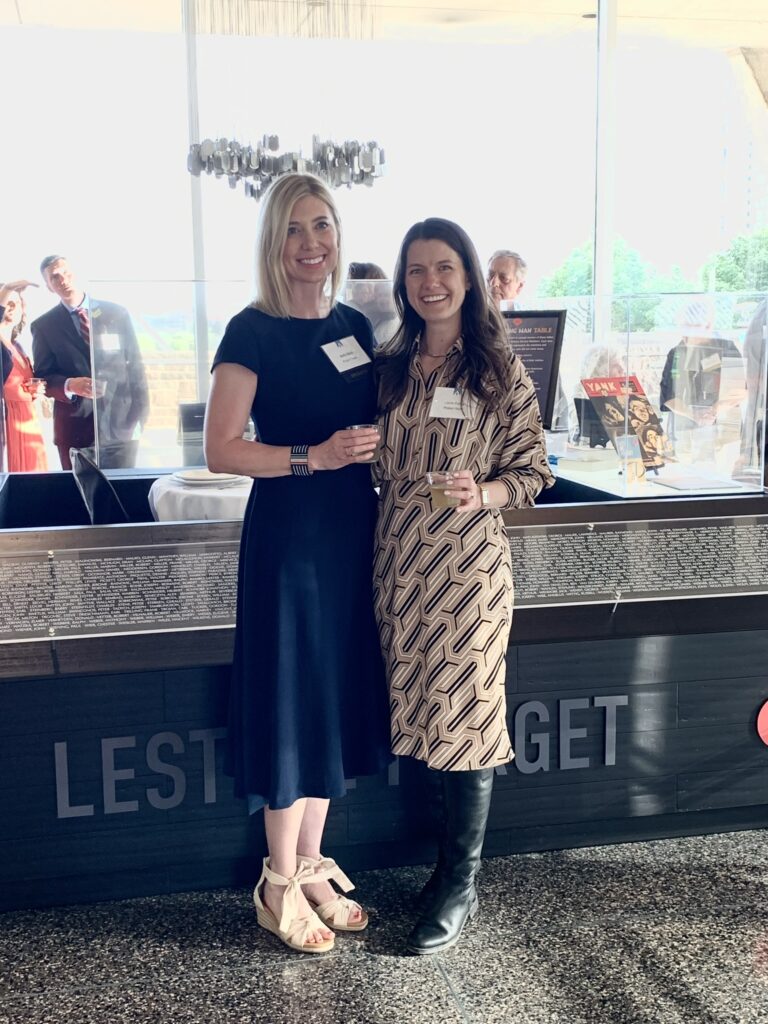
(485, 367)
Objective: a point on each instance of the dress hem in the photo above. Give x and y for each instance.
(495, 762)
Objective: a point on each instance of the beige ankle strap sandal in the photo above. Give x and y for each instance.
(290, 929)
(335, 913)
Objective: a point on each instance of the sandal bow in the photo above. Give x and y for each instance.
(325, 869)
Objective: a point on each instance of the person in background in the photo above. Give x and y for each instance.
(597, 361)
(24, 442)
(87, 353)
(374, 300)
(308, 704)
(702, 388)
(7, 359)
(753, 434)
(453, 398)
(365, 272)
(506, 275)
(507, 271)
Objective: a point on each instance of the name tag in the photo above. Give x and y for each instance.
(711, 362)
(346, 354)
(109, 342)
(452, 404)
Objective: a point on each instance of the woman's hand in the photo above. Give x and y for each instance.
(344, 448)
(34, 386)
(465, 488)
(14, 286)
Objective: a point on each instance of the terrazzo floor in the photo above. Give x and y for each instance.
(669, 932)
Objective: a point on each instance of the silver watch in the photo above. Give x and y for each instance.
(485, 497)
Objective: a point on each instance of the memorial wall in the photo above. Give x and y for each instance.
(143, 587)
(633, 713)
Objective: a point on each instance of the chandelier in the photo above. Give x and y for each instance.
(299, 19)
(336, 163)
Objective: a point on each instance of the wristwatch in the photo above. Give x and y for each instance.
(485, 497)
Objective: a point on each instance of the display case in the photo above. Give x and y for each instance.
(662, 395)
(635, 676)
(635, 669)
(374, 299)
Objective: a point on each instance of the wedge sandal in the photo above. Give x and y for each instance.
(290, 928)
(334, 913)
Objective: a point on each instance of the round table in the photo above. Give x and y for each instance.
(171, 500)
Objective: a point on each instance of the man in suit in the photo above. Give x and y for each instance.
(506, 276)
(86, 350)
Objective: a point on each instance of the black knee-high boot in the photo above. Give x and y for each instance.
(436, 804)
(453, 898)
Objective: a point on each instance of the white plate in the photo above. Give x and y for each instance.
(205, 478)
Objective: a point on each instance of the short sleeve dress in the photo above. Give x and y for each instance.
(443, 578)
(308, 705)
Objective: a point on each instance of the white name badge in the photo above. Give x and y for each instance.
(346, 354)
(712, 362)
(452, 404)
(109, 342)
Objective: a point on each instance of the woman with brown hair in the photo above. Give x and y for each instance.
(456, 400)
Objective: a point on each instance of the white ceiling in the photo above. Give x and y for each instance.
(722, 23)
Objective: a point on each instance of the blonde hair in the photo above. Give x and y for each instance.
(273, 292)
(16, 331)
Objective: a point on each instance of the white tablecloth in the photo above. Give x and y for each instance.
(172, 500)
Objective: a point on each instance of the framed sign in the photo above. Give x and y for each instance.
(537, 337)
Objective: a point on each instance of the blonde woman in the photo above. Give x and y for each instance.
(308, 704)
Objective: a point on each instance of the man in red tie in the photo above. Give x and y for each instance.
(87, 352)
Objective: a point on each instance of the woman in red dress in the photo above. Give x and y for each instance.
(23, 440)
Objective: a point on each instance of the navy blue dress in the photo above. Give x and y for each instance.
(308, 704)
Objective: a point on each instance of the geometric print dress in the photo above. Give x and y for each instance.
(443, 586)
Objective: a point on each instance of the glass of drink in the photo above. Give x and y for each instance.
(369, 426)
(35, 386)
(99, 387)
(439, 483)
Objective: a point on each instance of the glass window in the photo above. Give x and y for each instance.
(94, 169)
(486, 117)
(691, 162)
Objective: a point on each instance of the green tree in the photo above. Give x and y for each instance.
(743, 267)
(573, 277)
(631, 276)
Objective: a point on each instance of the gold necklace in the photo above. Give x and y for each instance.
(434, 355)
